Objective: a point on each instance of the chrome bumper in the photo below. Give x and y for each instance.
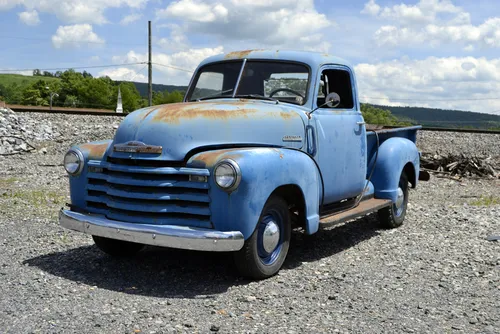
(157, 235)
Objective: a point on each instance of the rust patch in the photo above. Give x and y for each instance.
(277, 150)
(210, 158)
(286, 115)
(146, 114)
(96, 151)
(175, 112)
(240, 54)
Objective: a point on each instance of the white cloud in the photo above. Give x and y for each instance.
(74, 11)
(123, 74)
(8, 4)
(433, 23)
(176, 42)
(429, 81)
(371, 8)
(196, 11)
(29, 18)
(174, 68)
(77, 35)
(276, 23)
(130, 19)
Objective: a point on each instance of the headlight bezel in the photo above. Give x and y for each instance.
(237, 174)
(81, 159)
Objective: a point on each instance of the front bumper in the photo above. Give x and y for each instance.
(157, 235)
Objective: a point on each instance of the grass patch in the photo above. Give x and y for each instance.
(4, 182)
(36, 198)
(18, 200)
(22, 80)
(486, 201)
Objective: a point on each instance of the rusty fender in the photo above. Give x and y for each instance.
(263, 170)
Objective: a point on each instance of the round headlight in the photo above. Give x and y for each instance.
(227, 175)
(73, 162)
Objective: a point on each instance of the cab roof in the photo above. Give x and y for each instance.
(313, 59)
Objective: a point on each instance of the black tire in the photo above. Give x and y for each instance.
(118, 248)
(253, 261)
(391, 216)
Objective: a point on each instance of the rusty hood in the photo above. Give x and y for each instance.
(181, 127)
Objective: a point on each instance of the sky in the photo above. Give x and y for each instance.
(432, 53)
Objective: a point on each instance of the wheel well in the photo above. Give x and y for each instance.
(293, 195)
(409, 170)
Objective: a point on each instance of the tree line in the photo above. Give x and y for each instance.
(80, 89)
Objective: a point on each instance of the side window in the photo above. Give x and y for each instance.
(209, 83)
(337, 81)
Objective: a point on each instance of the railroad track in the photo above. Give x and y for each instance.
(111, 113)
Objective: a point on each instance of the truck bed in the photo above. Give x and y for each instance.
(384, 133)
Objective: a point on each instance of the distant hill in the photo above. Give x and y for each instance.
(22, 80)
(142, 87)
(444, 118)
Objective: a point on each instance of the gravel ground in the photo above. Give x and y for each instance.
(436, 274)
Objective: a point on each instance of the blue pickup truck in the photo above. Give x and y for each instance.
(264, 142)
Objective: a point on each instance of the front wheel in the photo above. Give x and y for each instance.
(265, 251)
(118, 248)
(394, 215)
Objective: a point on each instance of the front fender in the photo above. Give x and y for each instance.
(393, 156)
(263, 170)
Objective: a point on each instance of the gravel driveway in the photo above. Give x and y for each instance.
(436, 274)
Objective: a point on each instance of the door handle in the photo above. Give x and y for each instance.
(360, 123)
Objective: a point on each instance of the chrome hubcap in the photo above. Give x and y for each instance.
(271, 236)
(400, 199)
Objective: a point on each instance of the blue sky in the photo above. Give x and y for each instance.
(436, 53)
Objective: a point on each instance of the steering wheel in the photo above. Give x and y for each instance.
(285, 90)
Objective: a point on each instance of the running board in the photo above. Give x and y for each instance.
(364, 208)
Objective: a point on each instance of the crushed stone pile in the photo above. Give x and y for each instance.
(17, 133)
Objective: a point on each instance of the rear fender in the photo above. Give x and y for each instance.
(263, 170)
(394, 156)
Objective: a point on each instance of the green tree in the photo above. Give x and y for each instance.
(166, 97)
(379, 116)
(13, 94)
(71, 101)
(33, 97)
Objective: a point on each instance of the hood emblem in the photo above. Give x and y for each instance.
(137, 147)
(292, 138)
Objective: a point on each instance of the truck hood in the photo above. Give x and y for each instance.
(181, 127)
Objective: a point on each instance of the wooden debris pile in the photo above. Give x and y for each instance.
(460, 166)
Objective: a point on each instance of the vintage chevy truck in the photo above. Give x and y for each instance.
(264, 142)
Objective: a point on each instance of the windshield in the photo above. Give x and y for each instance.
(283, 81)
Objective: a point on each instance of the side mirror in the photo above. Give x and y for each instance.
(332, 100)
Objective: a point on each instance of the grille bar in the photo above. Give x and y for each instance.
(150, 206)
(149, 170)
(130, 180)
(163, 195)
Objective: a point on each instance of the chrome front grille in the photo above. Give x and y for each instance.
(142, 191)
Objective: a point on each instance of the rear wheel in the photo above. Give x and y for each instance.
(394, 215)
(118, 248)
(265, 251)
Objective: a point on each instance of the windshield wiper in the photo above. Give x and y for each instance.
(215, 95)
(258, 96)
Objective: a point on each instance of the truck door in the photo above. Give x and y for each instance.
(340, 135)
